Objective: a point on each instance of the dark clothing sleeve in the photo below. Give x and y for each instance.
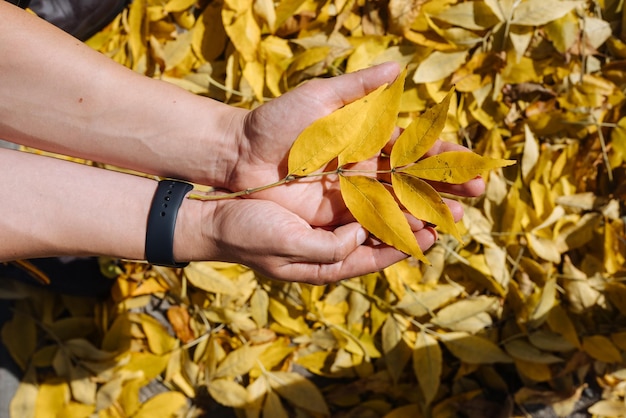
(22, 3)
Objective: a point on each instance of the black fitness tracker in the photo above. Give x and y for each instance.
(167, 199)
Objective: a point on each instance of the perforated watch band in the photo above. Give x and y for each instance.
(167, 199)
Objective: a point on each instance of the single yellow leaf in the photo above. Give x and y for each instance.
(76, 410)
(240, 361)
(259, 305)
(149, 364)
(474, 15)
(166, 404)
(454, 167)
(136, 38)
(425, 302)
(473, 349)
(208, 35)
(228, 393)
(540, 12)
(205, 277)
(421, 134)
(608, 408)
(469, 315)
(427, 365)
(288, 318)
(51, 399)
(328, 136)
(530, 155)
(19, 336)
(601, 348)
(538, 372)
(439, 65)
(299, 391)
(22, 404)
(241, 27)
(397, 352)
(159, 340)
(562, 324)
(407, 411)
(375, 131)
(179, 5)
(538, 313)
(521, 349)
(376, 209)
(550, 341)
(424, 202)
(273, 407)
(82, 384)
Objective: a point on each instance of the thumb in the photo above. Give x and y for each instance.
(327, 247)
(336, 92)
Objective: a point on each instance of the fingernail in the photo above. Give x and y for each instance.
(361, 236)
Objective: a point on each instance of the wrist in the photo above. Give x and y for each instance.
(190, 243)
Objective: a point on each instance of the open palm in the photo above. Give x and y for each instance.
(269, 131)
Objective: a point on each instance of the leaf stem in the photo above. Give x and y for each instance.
(288, 179)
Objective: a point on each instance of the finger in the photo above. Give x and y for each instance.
(472, 188)
(364, 259)
(339, 91)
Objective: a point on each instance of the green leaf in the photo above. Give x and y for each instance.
(454, 167)
(377, 128)
(325, 138)
(375, 208)
(424, 202)
(421, 134)
(427, 365)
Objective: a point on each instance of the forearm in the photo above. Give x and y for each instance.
(59, 95)
(53, 208)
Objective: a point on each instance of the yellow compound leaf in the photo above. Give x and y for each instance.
(424, 202)
(167, 404)
(601, 348)
(325, 138)
(377, 127)
(472, 349)
(427, 365)
(299, 391)
(420, 135)
(454, 167)
(376, 209)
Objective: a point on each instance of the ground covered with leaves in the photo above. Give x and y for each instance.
(527, 314)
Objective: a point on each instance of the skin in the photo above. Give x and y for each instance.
(57, 94)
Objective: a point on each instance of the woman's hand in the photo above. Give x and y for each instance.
(269, 131)
(275, 242)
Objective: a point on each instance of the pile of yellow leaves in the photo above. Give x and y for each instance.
(529, 310)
